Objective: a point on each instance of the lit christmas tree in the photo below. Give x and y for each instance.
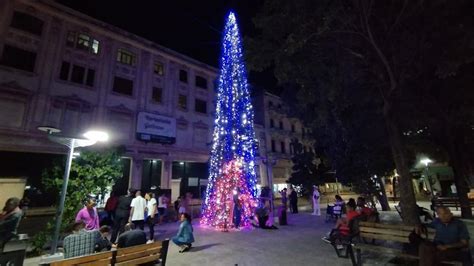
(232, 162)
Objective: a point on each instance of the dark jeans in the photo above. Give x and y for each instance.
(431, 256)
(294, 207)
(237, 217)
(119, 224)
(151, 225)
(139, 224)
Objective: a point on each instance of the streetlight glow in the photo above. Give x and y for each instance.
(95, 135)
(426, 161)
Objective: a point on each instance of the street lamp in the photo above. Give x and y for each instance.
(426, 162)
(90, 138)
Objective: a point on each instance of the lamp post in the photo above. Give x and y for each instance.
(90, 138)
(426, 162)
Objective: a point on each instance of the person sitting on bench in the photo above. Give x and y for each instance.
(451, 240)
(9, 221)
(131, 237)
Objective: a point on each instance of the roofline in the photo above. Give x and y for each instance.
(113, 31)
(271, 94)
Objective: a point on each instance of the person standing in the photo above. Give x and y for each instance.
(137, 211)
(316, 207)
(151, 212)
(122, 213)
(293, 201)
(111, 205)
(89, 215)
(162, 207)
(185, 237)
(284, 198)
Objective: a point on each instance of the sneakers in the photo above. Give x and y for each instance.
(326, 239)
(150, 241)
(339, 246)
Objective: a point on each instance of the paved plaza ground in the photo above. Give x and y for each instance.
(298, 243)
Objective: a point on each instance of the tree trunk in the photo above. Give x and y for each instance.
(382, 197)
(455, 161)
(408, 205)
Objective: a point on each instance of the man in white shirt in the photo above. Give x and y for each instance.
(137, 212)
(316, 195)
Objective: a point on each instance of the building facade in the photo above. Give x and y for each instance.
(64, 69)
(276, 133)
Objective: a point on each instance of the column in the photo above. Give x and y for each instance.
(263, 173)
(136, 176)
(166, 171)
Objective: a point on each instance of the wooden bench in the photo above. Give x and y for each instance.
(142, 254)
(396, 235)
(146, 253)
(98, 259)
(449, 202)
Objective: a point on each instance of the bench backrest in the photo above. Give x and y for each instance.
(389, 232)
(98, 259)
(142, 254)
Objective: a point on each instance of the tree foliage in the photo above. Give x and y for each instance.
(361, 66)
(93, 173)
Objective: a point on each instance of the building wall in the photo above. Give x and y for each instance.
(50, 95)
(281, 129)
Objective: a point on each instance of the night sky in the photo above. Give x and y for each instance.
(189, 27)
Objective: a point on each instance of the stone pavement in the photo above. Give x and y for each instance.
(298, 243)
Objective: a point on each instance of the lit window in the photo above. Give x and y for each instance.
(83, 42)
(159, 69)
(125, 57)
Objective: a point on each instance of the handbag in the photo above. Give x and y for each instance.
(416, 240)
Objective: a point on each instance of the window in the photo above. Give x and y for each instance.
(270, 103)
(83, 42)
(125, 57)
(183, 101)
(200, 106)
(272, 123)
(64, 73)
(18, 58)
(77, 74)
(183, 76)
(123, 86)
(281, 124)
(293, 128)
(283, 147)
(26, 22)
(305, 149)
(159, 69)
(273, 146)
(90, 77)
(201, 82)
(157, 94)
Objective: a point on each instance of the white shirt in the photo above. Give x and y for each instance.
(315, 194)
(138, 204)
(151, 206)
(161, 204)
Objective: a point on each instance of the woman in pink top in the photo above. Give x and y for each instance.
(89, 215)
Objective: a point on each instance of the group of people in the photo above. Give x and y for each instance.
(129, 215)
